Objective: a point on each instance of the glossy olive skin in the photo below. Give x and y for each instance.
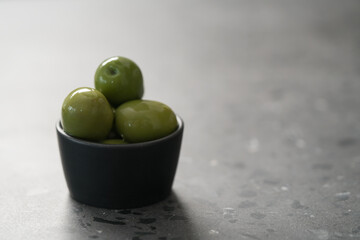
(113, 141)
(120, 80)
(144, 120)
(87, 114)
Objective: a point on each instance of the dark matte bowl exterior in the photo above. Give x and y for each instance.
(120, 176)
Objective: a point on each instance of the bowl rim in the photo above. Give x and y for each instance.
(179, 130)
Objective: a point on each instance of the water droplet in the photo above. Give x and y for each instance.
(258, 215)
(213, 232)
(284, 188)
(297, 205)
(342, 196)
(99, 231)
(228, 212)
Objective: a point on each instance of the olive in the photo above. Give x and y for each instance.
(144, 120)
(120, 80)
(87, 114)
(113, 141)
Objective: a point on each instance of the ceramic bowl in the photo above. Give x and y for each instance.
(120, 176)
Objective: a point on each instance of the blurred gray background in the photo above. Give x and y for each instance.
(269, 91)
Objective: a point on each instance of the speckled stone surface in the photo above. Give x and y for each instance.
(270, 96)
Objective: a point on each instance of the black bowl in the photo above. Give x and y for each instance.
(120, 176)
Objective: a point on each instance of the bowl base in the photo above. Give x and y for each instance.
(119, 203)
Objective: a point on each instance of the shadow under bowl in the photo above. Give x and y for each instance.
(120, 176)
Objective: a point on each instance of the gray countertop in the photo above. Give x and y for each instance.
(269, 92)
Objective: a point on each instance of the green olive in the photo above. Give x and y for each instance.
(87, 114)
(120, 80)
(144, 120)
(113, 141)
